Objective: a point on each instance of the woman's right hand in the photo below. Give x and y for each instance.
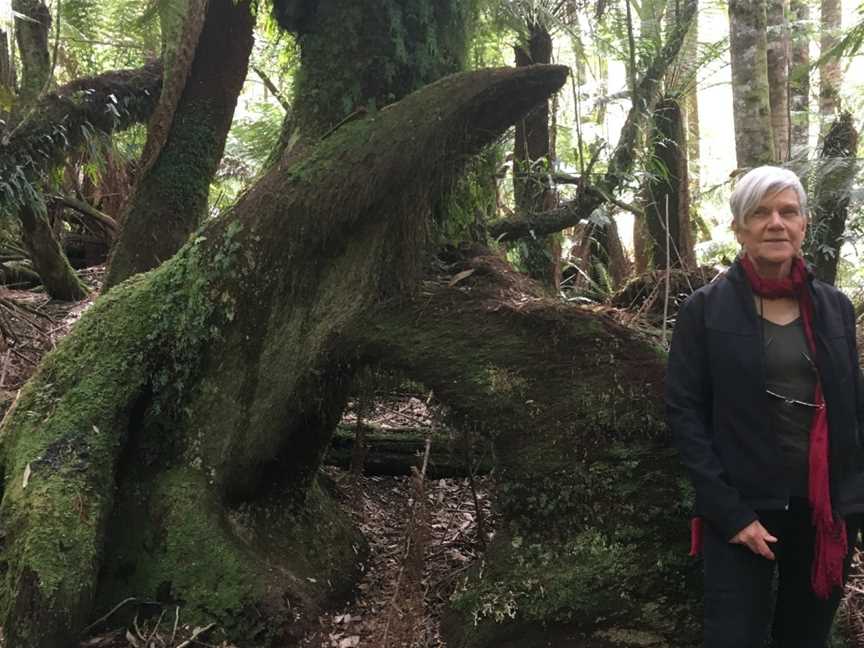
(756, 538)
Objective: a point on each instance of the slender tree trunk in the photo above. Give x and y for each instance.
(667, 210)
(830, 75)
(32, 27)
(691, 101)
(170, 198)
(48, 259)
(532, 162)
(754, 141)
(7, 80)
(778, 76)
(641, 245)
(830, 197)
(799, 79)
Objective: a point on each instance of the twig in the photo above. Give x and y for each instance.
(176, 622)
(5, 367)
(110, 613)
(196, 634)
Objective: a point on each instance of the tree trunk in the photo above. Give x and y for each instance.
(799, 79)
(358, 56)
(691, 101)
(830, 197)
(532, 161)
(48, 259)
(754, 144)
(185, 142)
(830, 75)
(7, 81)
(32, 27)
(258, 305)
(667, 209)
(778, 76)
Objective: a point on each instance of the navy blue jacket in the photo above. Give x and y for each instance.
(719, 412)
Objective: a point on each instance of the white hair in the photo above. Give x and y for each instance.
(763, 181)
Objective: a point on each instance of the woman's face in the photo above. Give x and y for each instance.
(774, 232)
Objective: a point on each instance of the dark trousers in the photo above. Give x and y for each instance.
(741, 597)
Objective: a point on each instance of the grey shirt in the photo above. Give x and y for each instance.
(792, 374)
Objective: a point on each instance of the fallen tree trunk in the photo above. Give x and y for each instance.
(398, 452)
(256, 305)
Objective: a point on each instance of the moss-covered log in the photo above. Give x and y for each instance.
(185, 145)
(591, 549)
(221, 374)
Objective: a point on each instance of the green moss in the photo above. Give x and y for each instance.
(257, 571)
(597, 546)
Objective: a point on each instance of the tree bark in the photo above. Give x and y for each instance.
(532, 161)
(778, 76)
(835, 175)
(754, 143)
(258, 304)
(184, 148)
(358, 56)
(830, 75)
(799, 79)
(32, 27)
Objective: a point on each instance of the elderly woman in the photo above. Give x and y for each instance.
(762, 398)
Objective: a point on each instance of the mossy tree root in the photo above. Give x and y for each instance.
(593, 505)
(227, 357)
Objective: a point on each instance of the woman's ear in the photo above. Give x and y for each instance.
(734, 227)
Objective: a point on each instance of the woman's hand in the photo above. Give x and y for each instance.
(756, 538)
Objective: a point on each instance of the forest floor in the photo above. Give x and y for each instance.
(422, 533)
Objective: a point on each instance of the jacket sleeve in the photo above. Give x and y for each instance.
(689, 403)
(849, 324)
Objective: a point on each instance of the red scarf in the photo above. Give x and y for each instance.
(830, 550)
